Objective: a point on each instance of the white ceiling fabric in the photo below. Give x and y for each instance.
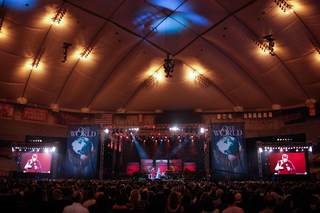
(130, 40)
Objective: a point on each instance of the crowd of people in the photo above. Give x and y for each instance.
(128, 196)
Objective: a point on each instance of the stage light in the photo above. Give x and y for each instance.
(174, 129)
(53, 149)
(297, 150)
(201, 130)
(37, 58)
(2, 13)
(58, 17)
(260, 149)
(284, 6)
(270, 150)
(281, 150)
(310, 149)
(46, 150)
(85, 54)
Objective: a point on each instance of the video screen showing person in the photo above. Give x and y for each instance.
(288, 163)
(36, 162)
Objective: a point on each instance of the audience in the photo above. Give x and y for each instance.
(113, 196)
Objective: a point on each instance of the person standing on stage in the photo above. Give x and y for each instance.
(33, 165)
(285, 166)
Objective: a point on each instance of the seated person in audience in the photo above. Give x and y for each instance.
(77, 198)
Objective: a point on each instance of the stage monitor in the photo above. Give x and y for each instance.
(288, 163)
(35, 162)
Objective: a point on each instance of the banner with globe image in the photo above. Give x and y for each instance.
(228, 156)
(82, 148)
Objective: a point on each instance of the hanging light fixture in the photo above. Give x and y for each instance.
(315, 43)
(2, 13)
(58, 17)
(65, 47)
(284, 5)
(85, 54)
(168, 66)
(37, 58)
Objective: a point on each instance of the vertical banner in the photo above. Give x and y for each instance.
(228, 157)
(82, 150)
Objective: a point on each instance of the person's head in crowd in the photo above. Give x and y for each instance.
(219, 193)
(238, 197)
(270, 202)
(150, 195)
(224, 197)
(77, 197)
(208, 205)
(98, 194)
(186, 199)
(144, 195)
(91, 194)
(202, 198)
(57, 194)
(101, 204)
(230, 199)
(134, 196)
(121, 201)
(113, 192)
(173, 200)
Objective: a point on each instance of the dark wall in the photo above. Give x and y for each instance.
(178, 117)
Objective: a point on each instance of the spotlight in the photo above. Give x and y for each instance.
(46, 150)
(260, 150)
(58, 17)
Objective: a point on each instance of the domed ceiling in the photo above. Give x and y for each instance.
(109, 55)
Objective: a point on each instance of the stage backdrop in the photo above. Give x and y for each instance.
(82, 148)
(228, 156)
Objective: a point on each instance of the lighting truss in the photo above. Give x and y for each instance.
(315, 43)
(2, 14)
(267, 47)
(37, 58)
(85, 54)
(58, 17)
(284, 5)
(168, 66)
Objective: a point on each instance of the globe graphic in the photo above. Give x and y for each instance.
(82, 147)
(229, 146)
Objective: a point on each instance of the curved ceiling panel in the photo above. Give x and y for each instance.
(107, 55)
